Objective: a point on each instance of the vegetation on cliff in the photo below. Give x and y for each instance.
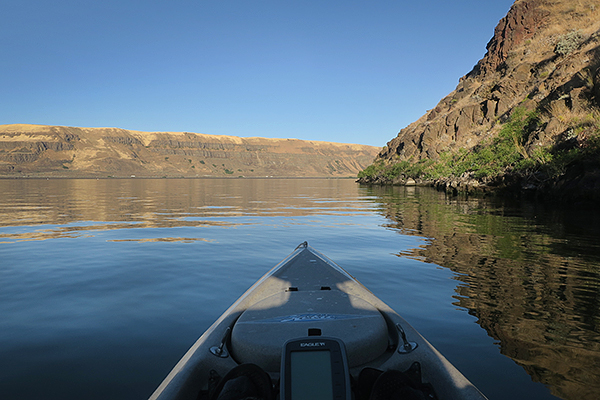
(506, 154)
(527, 116)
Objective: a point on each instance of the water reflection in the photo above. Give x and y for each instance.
(73, 208)
(531, 275)
(168, 239)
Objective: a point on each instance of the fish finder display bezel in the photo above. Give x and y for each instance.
(305, 359)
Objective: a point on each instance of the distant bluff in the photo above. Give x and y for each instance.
(527, 116)
(58, 151)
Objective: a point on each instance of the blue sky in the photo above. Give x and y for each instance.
(341, 71)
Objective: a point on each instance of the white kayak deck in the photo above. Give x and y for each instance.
(307, 294)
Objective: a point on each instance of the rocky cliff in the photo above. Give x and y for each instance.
(36, 150)
(542, 64)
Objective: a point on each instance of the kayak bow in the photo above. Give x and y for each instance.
(309, 296)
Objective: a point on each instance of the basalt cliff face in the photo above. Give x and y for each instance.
(56, 151)
(544, 58)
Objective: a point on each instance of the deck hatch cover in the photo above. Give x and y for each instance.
(262, 330)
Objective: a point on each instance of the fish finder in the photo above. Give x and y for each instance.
(314, 368)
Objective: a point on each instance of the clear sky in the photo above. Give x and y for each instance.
(336, 70)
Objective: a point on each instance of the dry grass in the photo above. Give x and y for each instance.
(563, 119)
(565, 16)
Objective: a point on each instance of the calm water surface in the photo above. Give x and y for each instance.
(104, 284)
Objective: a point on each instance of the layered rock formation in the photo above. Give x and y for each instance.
(544, 56)
(36, 150)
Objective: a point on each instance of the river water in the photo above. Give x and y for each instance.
(104, 284)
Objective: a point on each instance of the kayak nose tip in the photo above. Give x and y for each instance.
(302, 245)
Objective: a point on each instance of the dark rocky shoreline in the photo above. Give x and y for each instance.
(579, 185)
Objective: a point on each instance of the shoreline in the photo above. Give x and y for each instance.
(577, 189)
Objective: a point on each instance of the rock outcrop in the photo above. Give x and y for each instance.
(36, 150)
(544, 56)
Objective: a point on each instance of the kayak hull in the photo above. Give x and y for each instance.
(308, 294)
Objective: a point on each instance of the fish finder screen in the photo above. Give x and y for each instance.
(311, 375)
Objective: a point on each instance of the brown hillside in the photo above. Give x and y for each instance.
(37, 150)
(545, 57)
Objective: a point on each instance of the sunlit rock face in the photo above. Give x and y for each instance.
(544, 56)
(36, 150)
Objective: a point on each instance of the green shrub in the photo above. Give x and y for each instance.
(371, 171)
(485, 160)
(505, 152)
(568, 42)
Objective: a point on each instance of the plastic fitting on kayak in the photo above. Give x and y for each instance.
(407, 347)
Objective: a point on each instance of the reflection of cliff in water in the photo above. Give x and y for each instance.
(67, 208)
(530, 275)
